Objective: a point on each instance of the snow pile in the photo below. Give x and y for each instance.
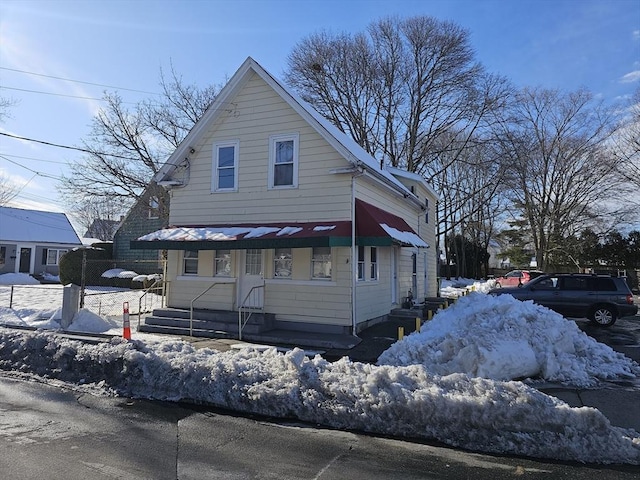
(462, 286)
(473, 413)
(10, 317)
(87, 321)
(119, 273)
(17, 279)
(501, 338)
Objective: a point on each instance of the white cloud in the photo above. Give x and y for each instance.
(631, 77)
(636, 34)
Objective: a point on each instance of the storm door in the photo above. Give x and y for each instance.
(251, 277)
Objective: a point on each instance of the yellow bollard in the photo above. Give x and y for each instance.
(418, 323)
(429, 314)
(400, 333)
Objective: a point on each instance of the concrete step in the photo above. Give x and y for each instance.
(253, 325)
(212, 320)
(185, 331)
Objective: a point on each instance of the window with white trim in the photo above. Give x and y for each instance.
(282, 263)
(53, 256)
(283, 161)
(360, 263)
(222, 267)
(190, 262)
(373, 263)
(321, 263)
(225, 167)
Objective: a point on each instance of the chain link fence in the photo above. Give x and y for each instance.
(107, 284)
(27, 298)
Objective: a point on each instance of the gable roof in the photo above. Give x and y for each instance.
(344, 144)
(34, 226)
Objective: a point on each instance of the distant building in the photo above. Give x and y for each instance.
(103, 229)
(32, 241)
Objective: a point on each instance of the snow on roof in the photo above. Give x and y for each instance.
(227, 233)
(19, 225)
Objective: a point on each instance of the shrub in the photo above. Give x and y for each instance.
(71, 264)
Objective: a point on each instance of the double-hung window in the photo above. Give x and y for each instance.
(225, 167)
(282, 263)
(223, 263)
(321, 263)
(190, 262)
(283, 161)
(360, 263)
(53, 256)
(373, 265)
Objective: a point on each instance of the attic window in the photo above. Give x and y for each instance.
(283, 161)
(154, 208)
(225, 167)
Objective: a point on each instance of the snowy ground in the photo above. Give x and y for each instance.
(451, 382)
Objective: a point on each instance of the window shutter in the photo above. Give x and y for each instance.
(44, 256)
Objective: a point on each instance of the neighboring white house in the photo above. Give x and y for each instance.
(32, 241)
(267, 196)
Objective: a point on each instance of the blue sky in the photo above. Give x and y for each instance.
(121, 45)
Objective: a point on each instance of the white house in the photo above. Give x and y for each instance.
(32, 241)
(274, 208)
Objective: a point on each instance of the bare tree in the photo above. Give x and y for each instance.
(626, 142)
(128, 146)
(560, 176)
(8, 190)
(400, 89)
(98, 216)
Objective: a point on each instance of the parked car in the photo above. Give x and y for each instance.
(600, 298)
(515, 278)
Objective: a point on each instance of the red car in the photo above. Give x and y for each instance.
(516, 278)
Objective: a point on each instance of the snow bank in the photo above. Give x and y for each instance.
(17, 279)
(501, 338)
(473, 413)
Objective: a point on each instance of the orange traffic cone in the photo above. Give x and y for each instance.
(126, 328)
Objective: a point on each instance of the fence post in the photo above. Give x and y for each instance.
(82, 279)
(70, 304)
(11, 297)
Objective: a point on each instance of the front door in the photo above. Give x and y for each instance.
(251, 276)
(25, 260)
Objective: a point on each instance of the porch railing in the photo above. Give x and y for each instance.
(255, 296)
(193, 301)
(155, 286)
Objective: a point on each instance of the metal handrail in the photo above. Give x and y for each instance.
(154, 285)
(242, 307)
(192, 302)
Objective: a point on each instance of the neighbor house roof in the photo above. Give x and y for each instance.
(34, 226)
(344, 144)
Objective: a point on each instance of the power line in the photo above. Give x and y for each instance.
(34, 159)
(17, 137)
(77, 81)
(58, 94)
(40, 174)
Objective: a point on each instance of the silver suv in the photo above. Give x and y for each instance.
(602, 299)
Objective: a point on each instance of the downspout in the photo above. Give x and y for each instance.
(354, 255)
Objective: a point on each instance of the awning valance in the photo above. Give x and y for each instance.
(374, 226)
